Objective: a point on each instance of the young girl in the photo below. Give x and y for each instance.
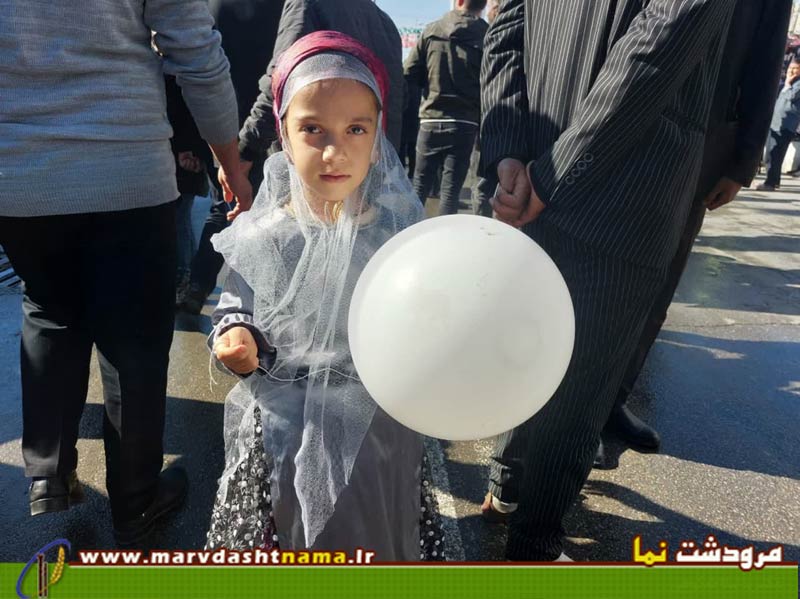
(311, 461)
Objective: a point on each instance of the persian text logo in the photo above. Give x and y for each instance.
(40, 560)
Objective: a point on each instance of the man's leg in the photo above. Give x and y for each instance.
(133, 283)
(56, 345)
(207, 263)
(611, 300)
(460, 141)
(655, 320)
(429, 158)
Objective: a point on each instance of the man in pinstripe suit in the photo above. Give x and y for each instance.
(740, 119)
(594, 121)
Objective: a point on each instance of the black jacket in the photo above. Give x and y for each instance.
(746, 89)
(610, 101)
(249, 29)
(446, 64)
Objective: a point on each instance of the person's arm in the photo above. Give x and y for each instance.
(644, 69)
(258, 131)
(184, 36)
(236, 342)
(190, 48)
(504, 102)
(415, 69)
(758, 89)
(504, 96)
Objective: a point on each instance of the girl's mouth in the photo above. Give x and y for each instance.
(334, 178)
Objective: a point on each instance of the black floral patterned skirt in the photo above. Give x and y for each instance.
(243, 518)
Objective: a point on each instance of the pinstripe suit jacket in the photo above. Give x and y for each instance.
(609, 99)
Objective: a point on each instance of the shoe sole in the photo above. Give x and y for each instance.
(48, 505)
(127, 539)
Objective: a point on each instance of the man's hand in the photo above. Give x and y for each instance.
(189, 162)
(237, 186)
(515, 201)
(237, 350)
(724, 191)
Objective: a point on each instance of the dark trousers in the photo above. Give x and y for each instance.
(448, 146)
(104, 280)
(777, 144)
(543, 463)
(207, 263)
(658, 313)
(408, 144)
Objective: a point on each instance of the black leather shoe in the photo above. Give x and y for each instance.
(600, 456)
(54, 493)
(172, 486)
(632, 429)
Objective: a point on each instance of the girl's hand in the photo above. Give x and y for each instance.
(237, 350)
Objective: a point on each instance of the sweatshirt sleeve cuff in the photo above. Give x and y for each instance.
(266, 353)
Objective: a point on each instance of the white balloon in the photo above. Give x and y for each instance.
(461, 327)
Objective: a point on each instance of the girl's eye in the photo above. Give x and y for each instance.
(357, 130)
(310, 129)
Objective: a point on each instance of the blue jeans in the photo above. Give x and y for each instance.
(446, 145)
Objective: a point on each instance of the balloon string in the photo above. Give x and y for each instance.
(211, 380)
(310, 373)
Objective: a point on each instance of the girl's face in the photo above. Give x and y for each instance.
(331, 127)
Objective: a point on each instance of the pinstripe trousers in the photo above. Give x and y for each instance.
(543, 463)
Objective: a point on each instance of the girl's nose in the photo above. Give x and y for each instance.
(332, 152)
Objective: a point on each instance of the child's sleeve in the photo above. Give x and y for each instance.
(235, 309)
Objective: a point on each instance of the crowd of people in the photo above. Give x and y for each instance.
(605, 132)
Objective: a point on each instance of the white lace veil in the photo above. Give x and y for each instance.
(302, 269)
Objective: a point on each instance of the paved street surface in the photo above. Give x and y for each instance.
(722, 385)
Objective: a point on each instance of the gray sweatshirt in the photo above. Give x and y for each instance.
(83, 122)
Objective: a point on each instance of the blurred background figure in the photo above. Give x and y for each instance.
(485, 186)
(248, 29)
(408, 139)
(783, 128)
(192, 159)
(445, 64)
